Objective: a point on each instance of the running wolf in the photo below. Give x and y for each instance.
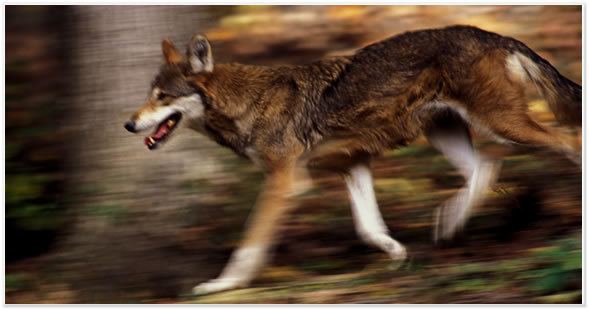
(338, 113)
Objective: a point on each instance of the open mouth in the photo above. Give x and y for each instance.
(163, 131)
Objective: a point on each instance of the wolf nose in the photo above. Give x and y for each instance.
(130, 126)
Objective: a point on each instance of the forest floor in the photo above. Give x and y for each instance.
(522, 246)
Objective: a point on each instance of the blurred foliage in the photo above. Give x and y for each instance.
(34, 143)
(563, 262)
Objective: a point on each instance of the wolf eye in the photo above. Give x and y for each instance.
(162, 96)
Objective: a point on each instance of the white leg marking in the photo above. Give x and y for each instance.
(454, 142)
(238, 273)
(368, 220)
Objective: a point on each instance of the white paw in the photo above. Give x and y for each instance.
(216, 285)
(396, 250)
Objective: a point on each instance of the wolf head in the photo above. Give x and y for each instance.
(174, 99)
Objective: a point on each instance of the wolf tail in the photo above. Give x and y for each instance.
(564, 96)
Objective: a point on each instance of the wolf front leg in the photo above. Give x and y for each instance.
(272, 206)
(369, 223)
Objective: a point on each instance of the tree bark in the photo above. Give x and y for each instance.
(127, 203)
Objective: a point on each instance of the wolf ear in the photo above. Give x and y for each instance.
(171, 54)
(199, 54)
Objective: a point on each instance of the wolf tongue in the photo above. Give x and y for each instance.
(161, 132)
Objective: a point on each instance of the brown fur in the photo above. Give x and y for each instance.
(337, 100)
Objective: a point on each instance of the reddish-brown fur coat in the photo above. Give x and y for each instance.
(379, 98)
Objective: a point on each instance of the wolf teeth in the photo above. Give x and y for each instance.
(151, 140)
(171, 123)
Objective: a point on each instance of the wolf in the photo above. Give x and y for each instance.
(338, 113)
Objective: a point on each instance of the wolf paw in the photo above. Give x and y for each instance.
(214, 286)
(396, 250)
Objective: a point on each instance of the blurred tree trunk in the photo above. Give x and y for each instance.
(128, 202)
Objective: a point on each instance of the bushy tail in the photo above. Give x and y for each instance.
(563, 95)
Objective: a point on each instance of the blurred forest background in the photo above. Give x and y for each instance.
(93, 217)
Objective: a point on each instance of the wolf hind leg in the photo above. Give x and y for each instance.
(521, 129)
(449, 134)
(367, 218)
(497, 104)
